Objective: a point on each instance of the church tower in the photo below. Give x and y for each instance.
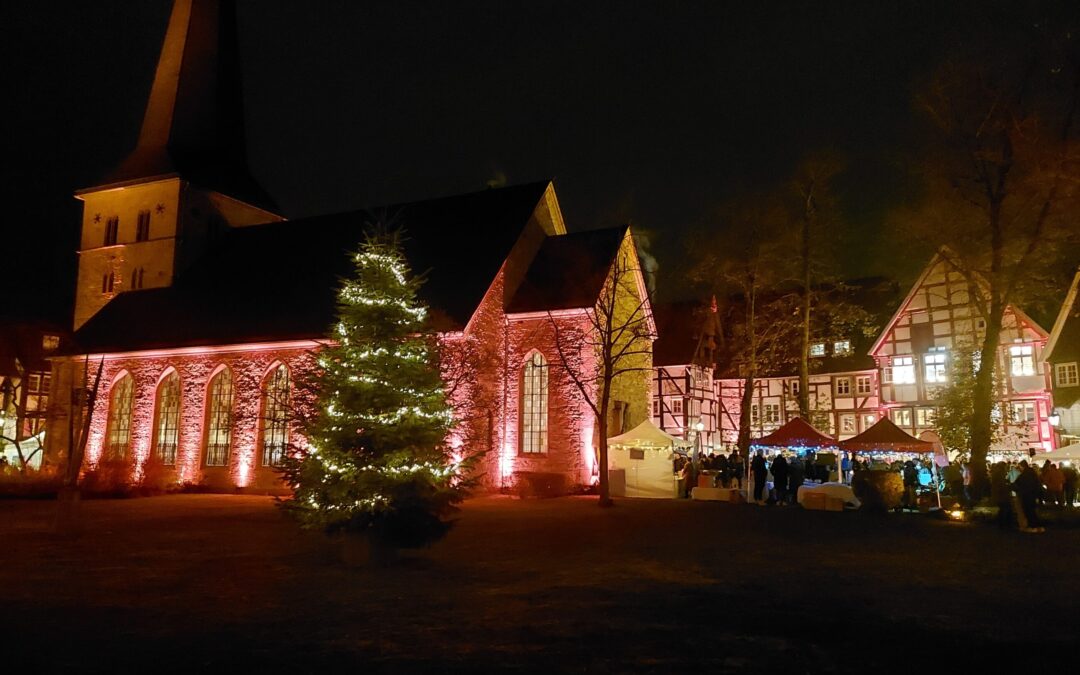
(187, 176)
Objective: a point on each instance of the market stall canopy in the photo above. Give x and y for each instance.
(885, 436)
(1069, 452)
(648, 435)
(795, 434)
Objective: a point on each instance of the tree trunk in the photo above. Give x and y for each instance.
(983, 399)
(605, 484)
(744, 416)
(804, 334)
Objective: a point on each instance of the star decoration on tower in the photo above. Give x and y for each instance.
(160, 208)
(97, 217)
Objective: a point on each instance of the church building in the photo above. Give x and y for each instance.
(204, 307)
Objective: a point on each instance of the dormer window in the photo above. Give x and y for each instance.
(50, 343)
(842, 348)
(817, 349)
(1067, 374)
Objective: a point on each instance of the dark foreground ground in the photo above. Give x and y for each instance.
(217, 583)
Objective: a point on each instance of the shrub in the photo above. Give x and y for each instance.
(879, 491)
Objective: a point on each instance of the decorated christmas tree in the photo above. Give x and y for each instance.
(376, 462)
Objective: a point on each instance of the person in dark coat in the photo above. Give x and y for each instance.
(757, 467)
(1071, 480)
(796, 472)
(911, 484)
(999, 494)
(780, 478)
(1027, 487)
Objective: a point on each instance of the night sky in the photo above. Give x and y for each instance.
(648, 112)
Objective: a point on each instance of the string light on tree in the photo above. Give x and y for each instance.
(377, 463)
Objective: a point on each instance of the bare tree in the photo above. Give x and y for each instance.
(618, 333)
(745, 262)
(1001, 182)
(83, 402)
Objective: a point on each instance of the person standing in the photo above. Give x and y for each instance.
(1054, 480)
(999, 494)
(1071, 479)
(780, 478)
(758, 471)
(1027, 491)
(796, 472)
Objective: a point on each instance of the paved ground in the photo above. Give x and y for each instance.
(227, 583)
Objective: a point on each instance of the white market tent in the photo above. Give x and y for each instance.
(647, 455)
(1069, 452)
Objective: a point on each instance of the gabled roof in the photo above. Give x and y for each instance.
(279, 281)
(797, 433)
(938, 257)
(193, 126)
(568, 272)
(886, 436)
(21, 346)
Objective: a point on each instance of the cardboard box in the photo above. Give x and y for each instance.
(814, 501)
(834, 504)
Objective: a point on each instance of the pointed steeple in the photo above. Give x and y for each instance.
(194, 121)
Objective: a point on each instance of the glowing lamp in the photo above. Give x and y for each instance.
(699, 427)
(1054, 419)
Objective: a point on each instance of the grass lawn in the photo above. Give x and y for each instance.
(228, 583)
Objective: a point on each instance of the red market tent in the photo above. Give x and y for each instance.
(795, 434)
(885, 436)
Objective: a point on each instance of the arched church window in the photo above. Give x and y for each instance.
(167, 420)
(219, 419)
(118, 438)
(275, 407)
(534, 405)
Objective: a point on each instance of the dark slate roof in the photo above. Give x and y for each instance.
(21, 345)
(1067, 345)
(568, 271)
(679, 328)
(193, 125)
(279, 281)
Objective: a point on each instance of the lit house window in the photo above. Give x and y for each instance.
(219, 419)
(1022, 360)
(142, 227)
(50, 343)
(794, 387)
(1067, 374)
(677, 406)
(902, 417)
(934, 368)
(847, 424)
(842, 347)
(1023, 413)
(843, 386)
(765, 415)
(275, 428)
(534, 405)
(118, 437)
(924, 417)
(903, 369)
(37, 401)
(656, 407)
(817, 349)
(863, 385)
(167, 422)
(868, 420)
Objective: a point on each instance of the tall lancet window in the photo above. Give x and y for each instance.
(219, 419)
(119, 433)
(167, 418)
(275, 428)
(534, 405)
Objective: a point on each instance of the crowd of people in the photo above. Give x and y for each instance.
(1016, 488)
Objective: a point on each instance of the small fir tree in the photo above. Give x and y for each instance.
(376, 462)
